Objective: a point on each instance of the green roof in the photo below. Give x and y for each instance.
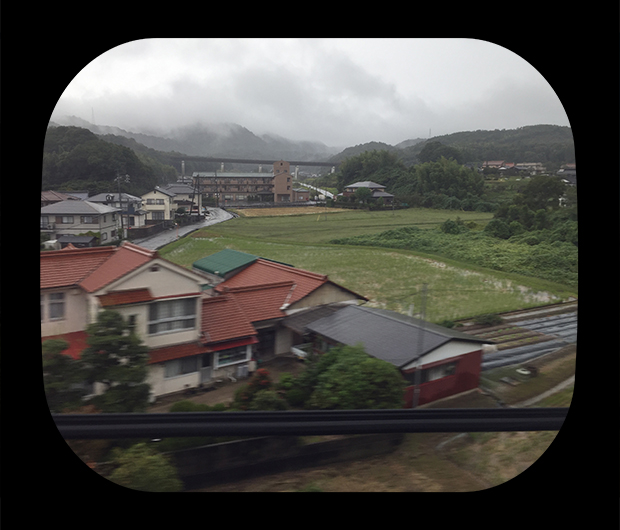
(224, 261)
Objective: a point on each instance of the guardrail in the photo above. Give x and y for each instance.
(301, 423)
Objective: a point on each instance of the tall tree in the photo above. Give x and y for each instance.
(117, 358)
(543, 192)
(62, 376)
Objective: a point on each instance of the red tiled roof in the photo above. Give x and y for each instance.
(76, 340)
(177, 351)
(126, 258)
(263, 272)
(90, 268)
(62, 268)
(263, 302)
(130, 296)
(223, 319)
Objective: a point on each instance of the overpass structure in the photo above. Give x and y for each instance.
(267, 162)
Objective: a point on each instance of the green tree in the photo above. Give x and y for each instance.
(543, 192)
(448, 177)
(117, 358)
(381, 166)
(433, 151)
(350, 379)
(498, 228)
(62, 376)
(363, 195)
(142, 468)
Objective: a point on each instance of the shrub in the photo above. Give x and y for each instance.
(183, 406)
(268, 400)
(497, 228)
(489, 320)
(142, 468)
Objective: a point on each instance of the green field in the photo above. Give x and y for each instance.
(390, 279)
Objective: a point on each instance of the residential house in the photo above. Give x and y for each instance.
(269, 291)
(194, 333)
(185, 197)
(568, 174)
(161, 301)
(493, 164)
(437, 362)
(51, 197)
(378, 191)
(158, 205)
(75, 217)
(301, 194)
(133, 215)
(533, 168)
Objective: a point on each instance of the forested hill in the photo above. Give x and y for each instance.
(76, 159)
(552, 145)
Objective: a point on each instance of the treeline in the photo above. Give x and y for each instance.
(76, 159)
(441, 183)
(551, 145)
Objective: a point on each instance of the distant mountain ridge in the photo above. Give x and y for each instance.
(548, 144)
(223, 139)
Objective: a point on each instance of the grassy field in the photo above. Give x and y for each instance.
(391, 279)
(322, 227)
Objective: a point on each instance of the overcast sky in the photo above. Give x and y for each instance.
(340, 92)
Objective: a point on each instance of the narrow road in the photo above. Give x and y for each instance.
(216, 215)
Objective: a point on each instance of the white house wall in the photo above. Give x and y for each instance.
(451, 349)
(75, 318)
(168, 280)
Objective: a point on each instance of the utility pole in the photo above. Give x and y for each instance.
(418, 371)
(120, 200)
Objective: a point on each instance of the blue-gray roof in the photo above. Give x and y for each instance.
(385, 334)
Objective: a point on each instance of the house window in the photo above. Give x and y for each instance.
(45, 221)
(67, 219)
(232, 356)
(104, 236)
(157, 216)
(87, 219)
(178, 367)
(131, 323)
(150, 201)
(57, 306)
(172, 315)
(159, 201)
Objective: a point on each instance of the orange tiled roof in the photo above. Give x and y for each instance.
(90, 268)
(62, 268)
(263, 272)
(223, 319)
(126, 258)
(263, 302)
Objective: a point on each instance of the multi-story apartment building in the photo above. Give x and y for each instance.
(276, 186)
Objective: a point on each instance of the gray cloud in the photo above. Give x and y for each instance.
(338, 92)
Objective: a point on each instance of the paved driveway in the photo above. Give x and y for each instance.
(216, 215)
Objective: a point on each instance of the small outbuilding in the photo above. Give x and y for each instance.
(437, 362)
